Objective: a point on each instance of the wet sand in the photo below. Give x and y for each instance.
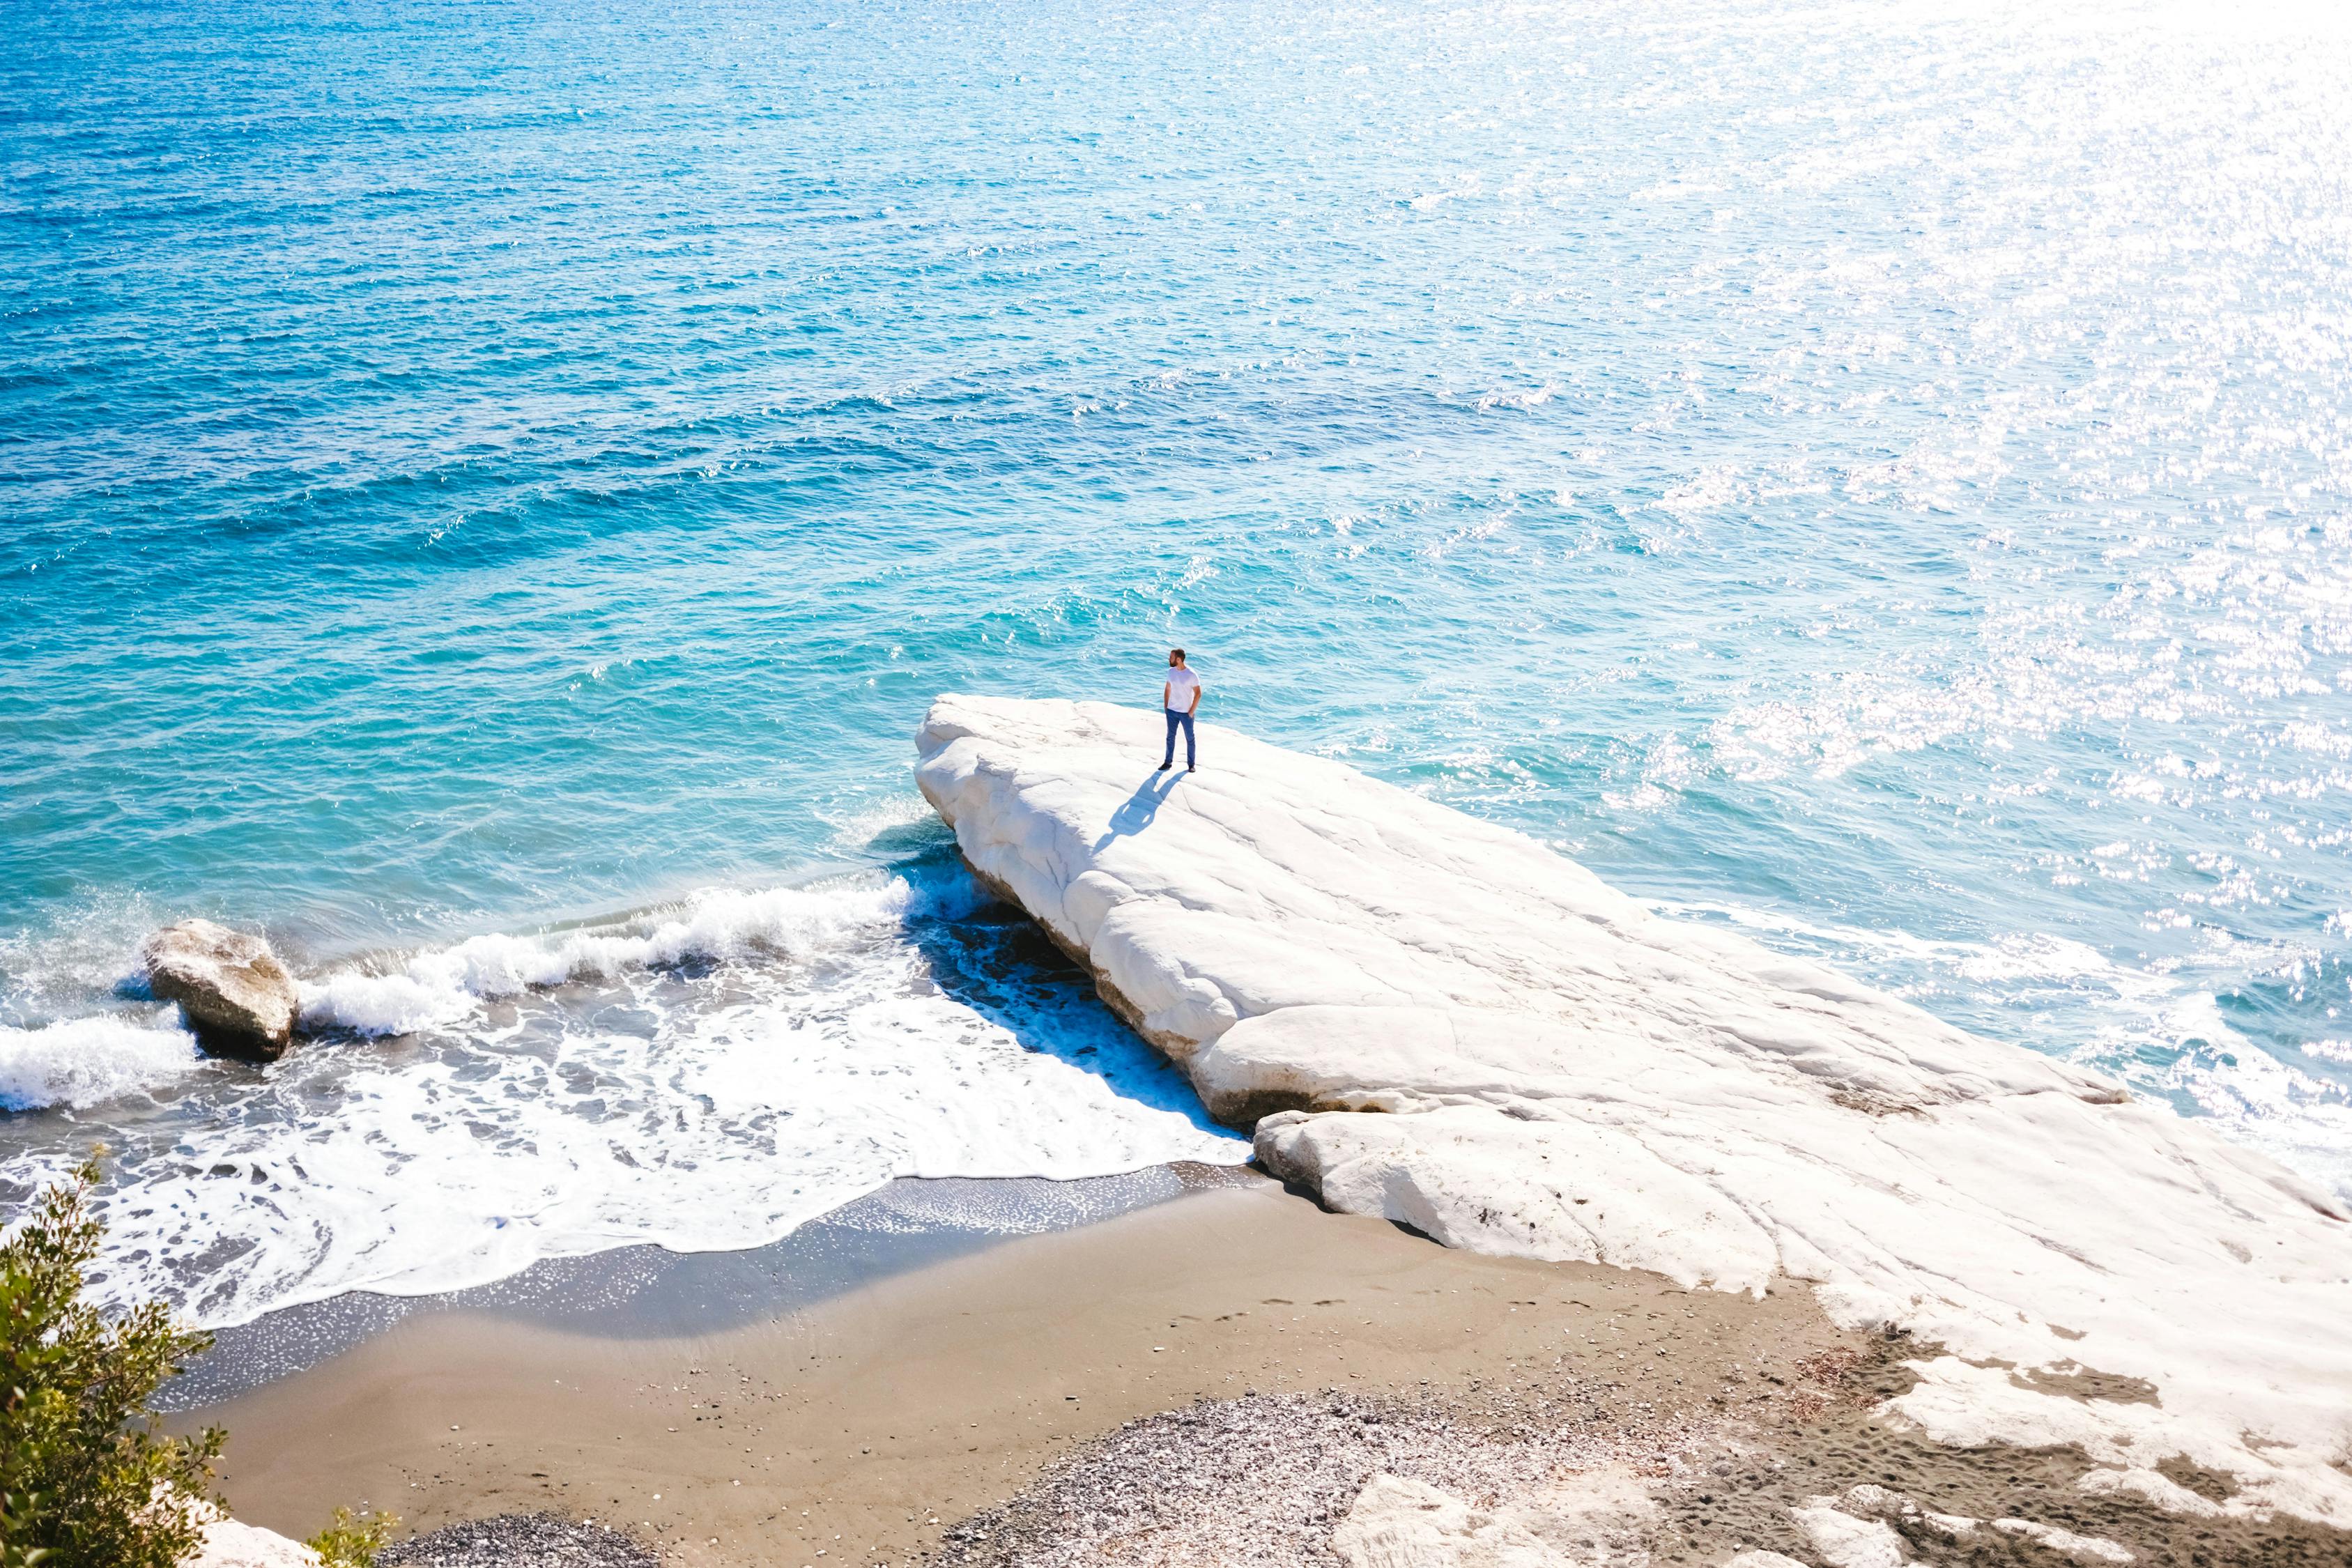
(863, 1427)
(848, 1427)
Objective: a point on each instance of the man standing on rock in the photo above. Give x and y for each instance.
(1181, 698)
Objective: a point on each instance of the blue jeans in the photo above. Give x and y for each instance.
(1174, 719)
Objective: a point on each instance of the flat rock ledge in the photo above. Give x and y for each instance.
(1449, 1025)
(237, 998)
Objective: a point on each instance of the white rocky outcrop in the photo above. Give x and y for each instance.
(2093, 1549)
(1401, 1523)
(237, 998)
(1450, 1024)
(1841, 1541)
(229, 1544)
(1599, 1519)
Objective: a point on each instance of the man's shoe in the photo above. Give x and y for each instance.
(1163, 767)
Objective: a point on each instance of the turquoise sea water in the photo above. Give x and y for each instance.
(1879, 474)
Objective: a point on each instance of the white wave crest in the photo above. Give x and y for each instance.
(731, 1067)
(442, 985)
(81, 1062)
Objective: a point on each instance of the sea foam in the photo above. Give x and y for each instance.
(81, 1062)
(711, 1075)
(441, 985)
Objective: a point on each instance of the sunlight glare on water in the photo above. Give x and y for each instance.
(1874, 474)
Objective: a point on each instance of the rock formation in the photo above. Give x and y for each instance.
(1597, 1519)
(237, 998)
(1446, 1023)
(229, 1544)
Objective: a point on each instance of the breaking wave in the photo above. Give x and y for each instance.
(708, 1076)
(443, 986)
(82, 1062)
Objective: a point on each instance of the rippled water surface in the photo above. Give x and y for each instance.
(486, 492)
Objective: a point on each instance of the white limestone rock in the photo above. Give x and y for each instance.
(1841, 1541)
(1445, 1023)
(1870, 1500)
(229, 1544)
(2097, 1550)
(1599, 1519)
(2149, 1486)
(1401, 1523)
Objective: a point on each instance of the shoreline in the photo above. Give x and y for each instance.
(951, 1411)
(1581, 1227)
(1439, 1021)
(646, 1291)
(927, 1394)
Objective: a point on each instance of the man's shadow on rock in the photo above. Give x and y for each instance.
(1136, 813)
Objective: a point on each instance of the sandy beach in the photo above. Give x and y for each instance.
(978, 1393)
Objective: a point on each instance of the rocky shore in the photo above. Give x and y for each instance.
(1606, 1242)
(1452, 1026)
(1232, 1377)
(237, 998)
(1550, 1470)
(519, 1541)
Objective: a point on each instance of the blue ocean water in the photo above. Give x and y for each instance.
(487, 490)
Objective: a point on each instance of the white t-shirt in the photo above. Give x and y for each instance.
(1181, 686)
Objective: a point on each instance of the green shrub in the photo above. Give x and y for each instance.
(86, 1478)
(353, 1540)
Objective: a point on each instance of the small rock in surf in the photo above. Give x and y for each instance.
(237, 998)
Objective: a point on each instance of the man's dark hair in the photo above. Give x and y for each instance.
(1177, 651)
